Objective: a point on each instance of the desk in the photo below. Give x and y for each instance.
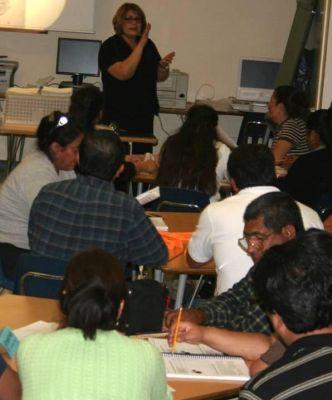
(144, 177)
(183, 222)
(221, 110)
(17, 311)
(16, 135)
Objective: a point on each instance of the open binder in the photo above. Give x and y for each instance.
(200, 362)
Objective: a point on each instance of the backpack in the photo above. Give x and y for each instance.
(144, 308)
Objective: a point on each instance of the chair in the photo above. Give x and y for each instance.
(39, 276)
(257, 132)
(5, 283)
(181, 200)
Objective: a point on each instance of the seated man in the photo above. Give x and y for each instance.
(293, 283)
(252, 173)
(271, 219)
(86, 212)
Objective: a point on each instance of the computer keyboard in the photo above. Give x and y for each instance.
(249, 106)
(243, 106)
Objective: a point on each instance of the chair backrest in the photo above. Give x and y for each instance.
(184, 200)
(4, 281)
(39, 276)
(257, 132)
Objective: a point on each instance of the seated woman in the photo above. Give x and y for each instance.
(288, 108)
(311, 174)
(88, 358)
(85, 107)
(54, 160)
(193, 158)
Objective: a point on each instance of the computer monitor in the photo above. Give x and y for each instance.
(78, 58)
(257, 78)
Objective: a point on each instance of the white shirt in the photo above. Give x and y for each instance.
(219, 228)
(18, 193)
(223, 153)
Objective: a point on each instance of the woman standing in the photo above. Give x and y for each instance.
(131, 66)
(289, 108)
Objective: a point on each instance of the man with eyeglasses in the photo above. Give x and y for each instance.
(251, 171)
(236, 323)
(130, 65)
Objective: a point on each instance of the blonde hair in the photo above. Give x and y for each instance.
(120, 15)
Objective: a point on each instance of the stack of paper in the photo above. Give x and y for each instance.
(200, 362)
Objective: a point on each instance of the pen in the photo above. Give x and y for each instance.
(176, 331)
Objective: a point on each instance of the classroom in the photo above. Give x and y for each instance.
(68, 199)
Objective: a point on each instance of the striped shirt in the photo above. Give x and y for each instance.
(293, 130)
(74, 215)
(303, 373)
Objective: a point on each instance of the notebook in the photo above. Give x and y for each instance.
(200, 362)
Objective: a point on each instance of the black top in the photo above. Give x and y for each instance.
(304, 372)
(137, 96)
(309, 177)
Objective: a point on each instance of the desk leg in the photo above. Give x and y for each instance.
(139, 188)
(158, 275)
(130, 144)
(10, 148)
(180, 292)
(15, 144)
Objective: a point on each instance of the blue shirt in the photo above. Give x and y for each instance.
(74, 215)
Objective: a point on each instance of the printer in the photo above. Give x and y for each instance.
(7, 70)
(172, 93)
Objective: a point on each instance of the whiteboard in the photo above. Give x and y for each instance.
(60, 15)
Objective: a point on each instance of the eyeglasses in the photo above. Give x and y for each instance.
(255, 240)
(133, 19)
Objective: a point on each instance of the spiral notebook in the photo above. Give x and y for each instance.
(200, 362)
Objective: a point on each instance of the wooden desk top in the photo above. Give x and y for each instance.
(145, 177)
(184, 222)
(221, 110)
(18, 311)
(30, 131)
(178, 221)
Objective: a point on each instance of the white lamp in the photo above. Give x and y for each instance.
(40, 14)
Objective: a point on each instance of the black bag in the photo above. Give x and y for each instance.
(144, 308)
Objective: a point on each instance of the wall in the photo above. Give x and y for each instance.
(209, 37)
(327, 90)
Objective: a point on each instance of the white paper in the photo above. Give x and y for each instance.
(159, 223)
(36, 327)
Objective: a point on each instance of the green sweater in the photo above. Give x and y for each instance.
(62, 365)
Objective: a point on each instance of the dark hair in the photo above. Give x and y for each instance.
(93, 288)
(251, 165)
(320, 121)
(278, 209)
(119, 16)
(189, 158)
(85, 107)
(294, 100)
(49, 132)
(101, 154)
(295, 280)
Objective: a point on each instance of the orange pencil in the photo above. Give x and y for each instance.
(175, 337)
